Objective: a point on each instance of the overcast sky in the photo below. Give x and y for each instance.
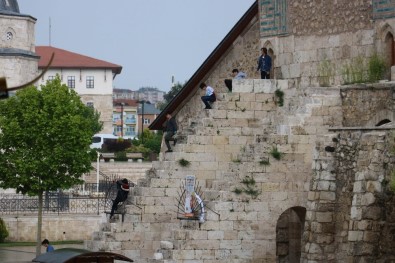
(151, 39)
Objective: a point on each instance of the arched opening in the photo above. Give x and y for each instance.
(382, 122)
(271, 54)
(390, 48)
(289, 230)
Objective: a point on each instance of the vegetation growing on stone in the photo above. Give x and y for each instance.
(326, 72)
(264, 162)
(249, 188)
(184, 163)
(275, 153)
(361, 70)
(376, 67)
(280, 97)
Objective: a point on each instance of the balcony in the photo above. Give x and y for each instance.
(130, 121)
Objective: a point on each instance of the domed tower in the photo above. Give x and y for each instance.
(18, 60)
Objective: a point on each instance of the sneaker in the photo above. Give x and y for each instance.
(207, 108)
(175, 142)
(169, 151)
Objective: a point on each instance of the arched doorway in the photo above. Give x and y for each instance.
(390, 48)
(289, 230)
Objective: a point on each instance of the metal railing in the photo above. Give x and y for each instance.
(92, 202)
(53, 204)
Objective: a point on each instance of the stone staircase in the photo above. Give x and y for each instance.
(133, 171)
(224, 145)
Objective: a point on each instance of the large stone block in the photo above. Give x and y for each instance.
(264, 85)
(243, 85)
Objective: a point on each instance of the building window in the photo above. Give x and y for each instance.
(71, 82)
(51, 77)
(89, 104)
(147, 121)
(130, 131)
(117, 130)
(90, 82)
(130, 119)
(116, 117)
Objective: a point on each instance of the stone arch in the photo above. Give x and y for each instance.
(390, 48)
(270, 51)
(289, 230)
(387, 36)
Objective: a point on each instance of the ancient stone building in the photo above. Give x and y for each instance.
(18, 61)
(294, 169)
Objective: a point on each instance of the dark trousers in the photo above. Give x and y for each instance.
(115, 206)
(228, 84)
(207, 99)
(169, 137)
(265, 74)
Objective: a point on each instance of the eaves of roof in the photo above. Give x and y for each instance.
(67, 59)
(189, 88)
(7, 52)
(11, 13)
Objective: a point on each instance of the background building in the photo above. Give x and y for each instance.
(125, 94)
(147, 113)
(91, 78)
(124, 118)
(153, 95)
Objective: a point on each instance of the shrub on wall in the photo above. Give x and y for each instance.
(355, 71)
(361, 70)
(3, 231)
(377, 67)
(326, 72)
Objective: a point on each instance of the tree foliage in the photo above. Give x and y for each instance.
(170, 95)
(149, 142)
(44, 141)
(45, 137)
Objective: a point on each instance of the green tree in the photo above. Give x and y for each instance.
(44, 139)
(170, 95)
(150, 143)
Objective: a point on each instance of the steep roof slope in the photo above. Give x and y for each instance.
(189, 89)
(67, 59)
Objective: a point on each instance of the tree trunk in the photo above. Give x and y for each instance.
(39, 223)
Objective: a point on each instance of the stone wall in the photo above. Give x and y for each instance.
(323, 18)
(242, 55)
(367, 105)
(324, 38)
(54, 228)
(349, 202)
(225, 146)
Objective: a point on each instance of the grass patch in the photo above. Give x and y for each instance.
(361, 70)
(264, 162)
(184, 163)
(326, 72)
(249, 188)
(280, 97)
(276, 154)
